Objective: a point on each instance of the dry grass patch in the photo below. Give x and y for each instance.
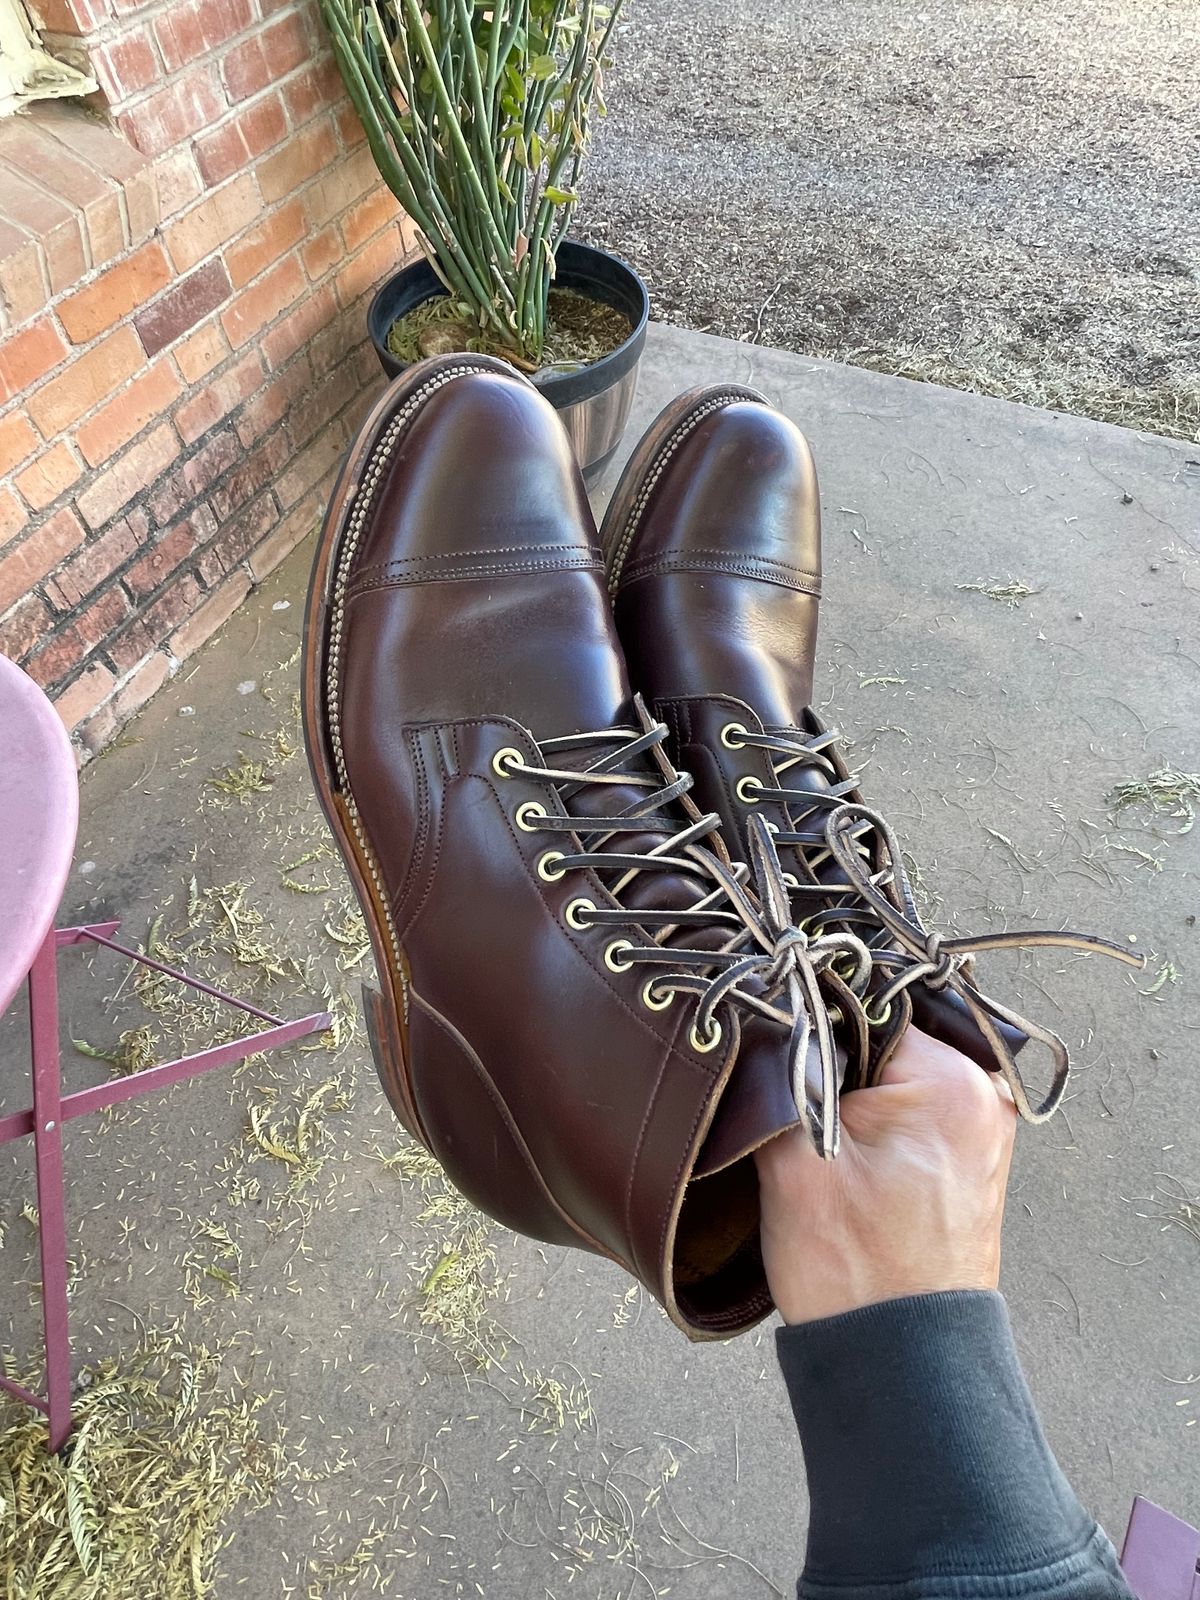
(166, 1448)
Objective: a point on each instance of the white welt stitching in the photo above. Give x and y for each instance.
(364, 496)
(717, 403)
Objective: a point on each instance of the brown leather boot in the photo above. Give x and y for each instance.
(713, 545)
(571, 969)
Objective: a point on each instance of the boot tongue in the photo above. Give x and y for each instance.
(773, 696)
(808, 777)
(652, 888)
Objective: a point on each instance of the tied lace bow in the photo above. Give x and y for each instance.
(792, 962)
(832, 829)
(915, 954)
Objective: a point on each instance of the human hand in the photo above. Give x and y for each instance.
(912, 1204)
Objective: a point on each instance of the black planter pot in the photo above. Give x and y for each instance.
(594, 402)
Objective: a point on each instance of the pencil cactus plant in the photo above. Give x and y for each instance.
(478, 118)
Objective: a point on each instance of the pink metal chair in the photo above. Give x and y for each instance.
(1161, 1555)
(39, 812)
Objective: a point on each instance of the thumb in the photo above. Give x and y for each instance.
(917, 1078)
(925, 1072)
(920, 1059)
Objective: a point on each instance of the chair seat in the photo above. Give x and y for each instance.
(39, 813)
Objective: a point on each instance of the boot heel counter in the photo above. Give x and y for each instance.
(473, 1136)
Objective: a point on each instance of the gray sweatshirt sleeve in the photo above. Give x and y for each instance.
(928, 1473)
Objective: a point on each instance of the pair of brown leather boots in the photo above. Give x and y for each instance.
(623, 939)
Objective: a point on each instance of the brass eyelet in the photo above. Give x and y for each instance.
(649, 1001)
(876, 1019)
(744, 786)
(702, 1045)
(572, 913)
(727, 736)
(546, 867)
(612, 951)
(503, 759)
(521, 816)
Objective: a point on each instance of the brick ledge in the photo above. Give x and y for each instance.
(73, 197)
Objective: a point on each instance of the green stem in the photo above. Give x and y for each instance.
(394, 156)
(450, 118)
(482, 121)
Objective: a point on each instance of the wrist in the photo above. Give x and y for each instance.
(818, 1297)
(828, 1277)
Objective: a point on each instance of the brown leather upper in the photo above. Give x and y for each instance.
(719, 591)
(470, 617)
(714, 538)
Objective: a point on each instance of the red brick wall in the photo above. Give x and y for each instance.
(182, 333)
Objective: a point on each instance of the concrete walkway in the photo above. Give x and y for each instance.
(466, 1413)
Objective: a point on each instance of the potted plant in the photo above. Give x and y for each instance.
(478, 118)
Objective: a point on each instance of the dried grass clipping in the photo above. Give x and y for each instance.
(133, 1507)
(1166, 790)
(1006, 591)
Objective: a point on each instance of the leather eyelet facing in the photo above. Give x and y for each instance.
(573, 912)
(876, 1019)
(747, 790)
(703, 1043)
(548, 869)
(653, 1002)
(521, 816)
(503, 759)
(613, 951)
(733, 736)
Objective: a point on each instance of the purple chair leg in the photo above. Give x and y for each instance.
(50, 1109)
(48, 1149)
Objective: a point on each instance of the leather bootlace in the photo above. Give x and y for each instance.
(758, 962)
(833, 831)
